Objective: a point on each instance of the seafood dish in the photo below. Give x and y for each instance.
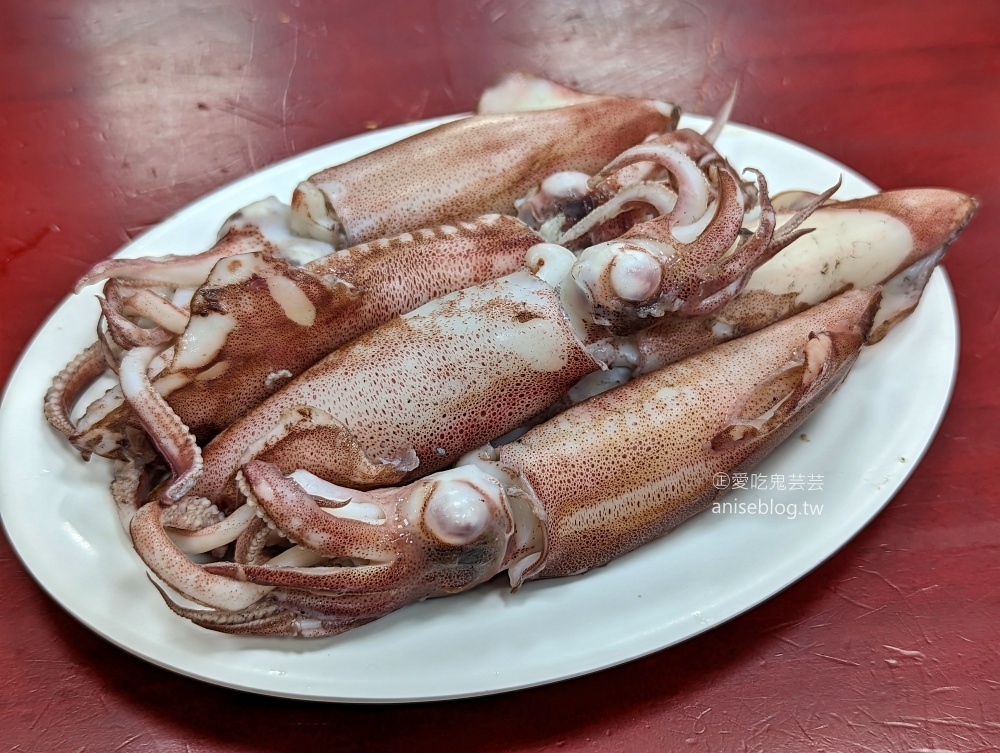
(524, 342)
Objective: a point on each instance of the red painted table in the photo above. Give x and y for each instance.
(115, 113)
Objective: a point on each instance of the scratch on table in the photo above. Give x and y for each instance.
(849, 600)
(954, 721)
(239, 110)
(888, 582)
(289, 144)
(697, 726)
(873, 611)
(41, 714)
(988, 594)
(251, 157)
(131, 232)
(416, 111)
(843, 743)
(21, 247)
(837, 659)
(246, 65)
(844, 720)
(790, 642)
(918, 655)
(715, 51)
(804, 731)
(129, 741)
(923, 633)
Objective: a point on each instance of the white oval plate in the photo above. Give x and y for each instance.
(862, 446)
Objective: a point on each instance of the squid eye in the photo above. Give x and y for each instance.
(635, 275)
(457, 515)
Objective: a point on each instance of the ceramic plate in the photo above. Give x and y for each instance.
(850, 459)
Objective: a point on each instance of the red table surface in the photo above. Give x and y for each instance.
(116, 113)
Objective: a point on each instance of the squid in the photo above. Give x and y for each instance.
(431, 185)
(258, 320)
(317, 399)
(520, 91)
(413, 395)
(894, 239)
(576, 209)
(470, 167)
(598, 481)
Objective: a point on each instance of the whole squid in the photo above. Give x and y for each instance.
(894, 239)
(599, 480)
(257, 321)
(469, 167)
(425, 186)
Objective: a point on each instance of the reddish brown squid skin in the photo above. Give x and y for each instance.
(264, 344)
(474, 166)
(437, 382)
(625, 467)
(602, 479)
(823, 264)
(345, 296)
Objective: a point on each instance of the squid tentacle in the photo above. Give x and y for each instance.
(132, 478)
(251, 542)
(274, 617)
(714, 130)
(661, 198)
(576, 209)
(178, 447)
(324, 532)
(124, 332)
(693, 191)
(261, 227)
(340, 579)
(789, 230)
(647, 272)
(168, 563)
(69, 384)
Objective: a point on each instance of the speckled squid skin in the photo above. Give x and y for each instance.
(274, 332)
(258, 321)
(856, 243)
(625, 467)
(439, 381)
(475, 166)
